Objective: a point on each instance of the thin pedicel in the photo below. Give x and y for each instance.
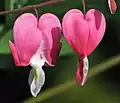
(30, 7)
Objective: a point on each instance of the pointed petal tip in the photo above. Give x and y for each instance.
(9, 41)
(112, 12)
(50, 64)
(14, 53)
(33, 94)
(79, 80)
(82, 84)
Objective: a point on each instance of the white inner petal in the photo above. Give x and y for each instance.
(85, 69)
(36, 76)
(37, 82)
(109, 4)
(31, 76)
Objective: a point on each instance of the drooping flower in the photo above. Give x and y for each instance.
(36, 42)
(83, 32)
(112, 6)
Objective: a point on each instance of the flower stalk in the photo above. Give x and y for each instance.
(83, 3)
(30, 7)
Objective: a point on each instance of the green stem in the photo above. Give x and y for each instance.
(8, 6)
(70, 84)
(30, 7)
(83, 3)
(36, 13)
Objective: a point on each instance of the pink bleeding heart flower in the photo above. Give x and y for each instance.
(34, 44)
(50, 26)
(112, 6)
(83, 32)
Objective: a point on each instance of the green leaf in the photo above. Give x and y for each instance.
(4, 49)
(9, 5)
(19, 3)
(66, 49)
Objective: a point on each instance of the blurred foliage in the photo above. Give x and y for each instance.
(72, 84)
(101, 88)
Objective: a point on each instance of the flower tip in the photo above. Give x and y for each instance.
(112, 6)
(83, 82)
(33, 94)
(47, 64)
(10, 42)
(80, 81)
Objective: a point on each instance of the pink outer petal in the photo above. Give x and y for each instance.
(50, 26)
(25, 21)
(14, 53)
(75, 30)
(27, 37)
(97, 26)
(79, 73)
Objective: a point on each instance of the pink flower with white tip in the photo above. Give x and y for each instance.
(36, 42)
(83, 32)
(112, 6)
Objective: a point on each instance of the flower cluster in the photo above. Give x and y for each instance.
(38, 41)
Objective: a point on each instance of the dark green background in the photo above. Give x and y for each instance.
(103, 88)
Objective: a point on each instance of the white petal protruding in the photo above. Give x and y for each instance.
(85, 69)
(36, 75)
(109, 4)
(38, 59)
(36, 80)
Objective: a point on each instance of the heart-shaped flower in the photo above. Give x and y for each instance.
(83, 32)
(36, 42)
